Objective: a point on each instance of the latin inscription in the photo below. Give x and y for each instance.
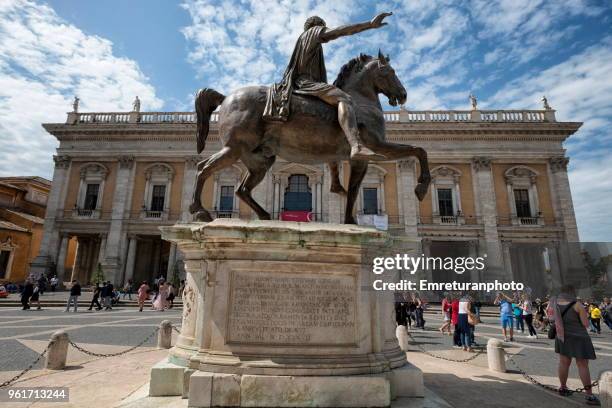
(292, 309)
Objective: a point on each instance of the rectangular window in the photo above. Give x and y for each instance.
(226, 201)
(158, 197)
(521, 200)
(4, 260)
(91, 197)
(445, 202)
(370, 201)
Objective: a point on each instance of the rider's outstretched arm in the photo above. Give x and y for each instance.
(333, 33)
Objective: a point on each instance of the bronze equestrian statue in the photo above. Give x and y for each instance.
(305, 120)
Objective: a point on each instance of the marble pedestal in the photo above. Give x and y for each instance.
(281, 314)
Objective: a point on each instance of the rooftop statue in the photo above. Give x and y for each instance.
(303, 119)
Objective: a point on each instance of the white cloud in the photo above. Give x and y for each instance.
(44, 62)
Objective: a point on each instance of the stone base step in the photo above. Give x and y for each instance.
(141, 399)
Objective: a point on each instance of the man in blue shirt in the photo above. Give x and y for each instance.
(507, 317)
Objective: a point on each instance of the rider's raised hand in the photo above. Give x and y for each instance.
(378, 20)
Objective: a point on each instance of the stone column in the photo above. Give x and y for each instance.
(171, 261)
(408, 200)
(131, 258)
(61, 259)
(156, 257)
(275, 194)
(335, 201)
(473, 250)
(49, 243)
(77, 259)
(189, 179)
(102, 249)
(560, 183)
(112, 264)
(485, 194)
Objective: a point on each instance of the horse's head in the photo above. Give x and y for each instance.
(387, 82)
(372, 74)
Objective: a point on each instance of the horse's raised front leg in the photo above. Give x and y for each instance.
(257, 165)
(358, 172)
(396, 151)
(335, 185)
(223, 158)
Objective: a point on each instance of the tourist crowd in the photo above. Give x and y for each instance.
(565, 318)
(104, 295)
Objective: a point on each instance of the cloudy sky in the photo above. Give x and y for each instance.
(508, 53)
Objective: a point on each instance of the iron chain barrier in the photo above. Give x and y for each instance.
(532, 380)
(509, 359)
(30, 367)
(91, 353)
(82, 350)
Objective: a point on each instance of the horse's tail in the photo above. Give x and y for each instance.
(206, 101)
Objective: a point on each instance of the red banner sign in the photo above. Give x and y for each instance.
(298, 216)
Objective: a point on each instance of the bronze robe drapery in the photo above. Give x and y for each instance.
(305, 74)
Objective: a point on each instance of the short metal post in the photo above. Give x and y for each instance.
(496, 355)
(164, 336)
(58, 351)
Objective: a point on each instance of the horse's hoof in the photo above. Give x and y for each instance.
(421, 190)
(203, 216)
(350, 220)
(265, 216)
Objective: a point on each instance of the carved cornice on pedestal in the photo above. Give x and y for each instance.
(558, 163)
(481, 163)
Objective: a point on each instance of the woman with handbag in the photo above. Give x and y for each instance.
(572, 340)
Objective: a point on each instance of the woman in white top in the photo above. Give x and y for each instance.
(528, 315)
(464, 325)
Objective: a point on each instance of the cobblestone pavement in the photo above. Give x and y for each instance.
(24, 333)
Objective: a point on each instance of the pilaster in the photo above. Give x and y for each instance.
(112, 264)
(46, 259)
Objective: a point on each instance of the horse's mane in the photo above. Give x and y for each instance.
(356, 63)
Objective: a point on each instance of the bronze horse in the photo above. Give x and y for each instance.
(311, 134)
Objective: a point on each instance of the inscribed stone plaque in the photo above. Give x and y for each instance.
(292, 309)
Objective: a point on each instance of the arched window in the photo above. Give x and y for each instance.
(298, 196)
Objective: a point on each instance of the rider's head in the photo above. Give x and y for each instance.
(313, 21)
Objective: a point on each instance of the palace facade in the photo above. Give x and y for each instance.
(500, 187)
(22, 208)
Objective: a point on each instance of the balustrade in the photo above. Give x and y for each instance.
(400, 116)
